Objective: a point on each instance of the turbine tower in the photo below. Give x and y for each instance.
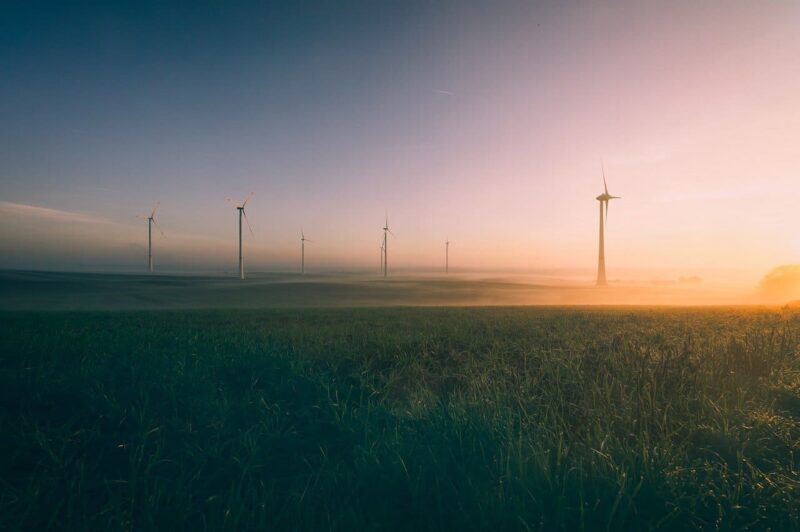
(381, 257)
(242, 214)
(151, 221)
(386, 231)
(603, 200)
(447, 256)
(303, 241)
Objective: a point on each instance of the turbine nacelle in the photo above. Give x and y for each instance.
(385, 227)
(242, 205)
(241, 210)
(606, 197)
(151, 218)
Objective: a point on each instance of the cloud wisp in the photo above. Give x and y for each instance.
(46, 213)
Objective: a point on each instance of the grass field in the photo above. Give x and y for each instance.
(400, 418)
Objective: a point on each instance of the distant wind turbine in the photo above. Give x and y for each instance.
(151, 221)
(447, 256)
(240, 208)
(303, 241)
(386, 231)
(603, 198)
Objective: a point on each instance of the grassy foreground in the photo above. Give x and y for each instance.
(400, 419)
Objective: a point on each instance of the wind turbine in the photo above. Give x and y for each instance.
(386, 231)
(240, 208)
(303, 241)
(447, 256)
(603, 198)
(151, 221)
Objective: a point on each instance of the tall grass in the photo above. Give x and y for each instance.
(493, 419)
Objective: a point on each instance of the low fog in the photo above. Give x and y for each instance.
(28, 290)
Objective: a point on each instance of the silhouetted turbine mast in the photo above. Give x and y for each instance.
(303, 241)
(151, 221)
(242, 214)
(603, 200)
(386, 231)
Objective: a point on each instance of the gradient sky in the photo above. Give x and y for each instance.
(483, 122)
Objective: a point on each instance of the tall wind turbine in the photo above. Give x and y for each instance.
(242, 214)
(386, 231)
(603, 199)
(447, 256)
(151, 221)
(303, 241)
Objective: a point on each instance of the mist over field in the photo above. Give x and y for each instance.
(27, 290)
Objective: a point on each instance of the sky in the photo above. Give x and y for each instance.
(482, 122)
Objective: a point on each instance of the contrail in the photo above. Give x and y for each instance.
(444, 93)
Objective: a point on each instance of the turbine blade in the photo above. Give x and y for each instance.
(159, 228)
(603, 169)
(248, 222)
(233, 203)
(248, 199)
(606, 202)
(155, 209)
(142, 216)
